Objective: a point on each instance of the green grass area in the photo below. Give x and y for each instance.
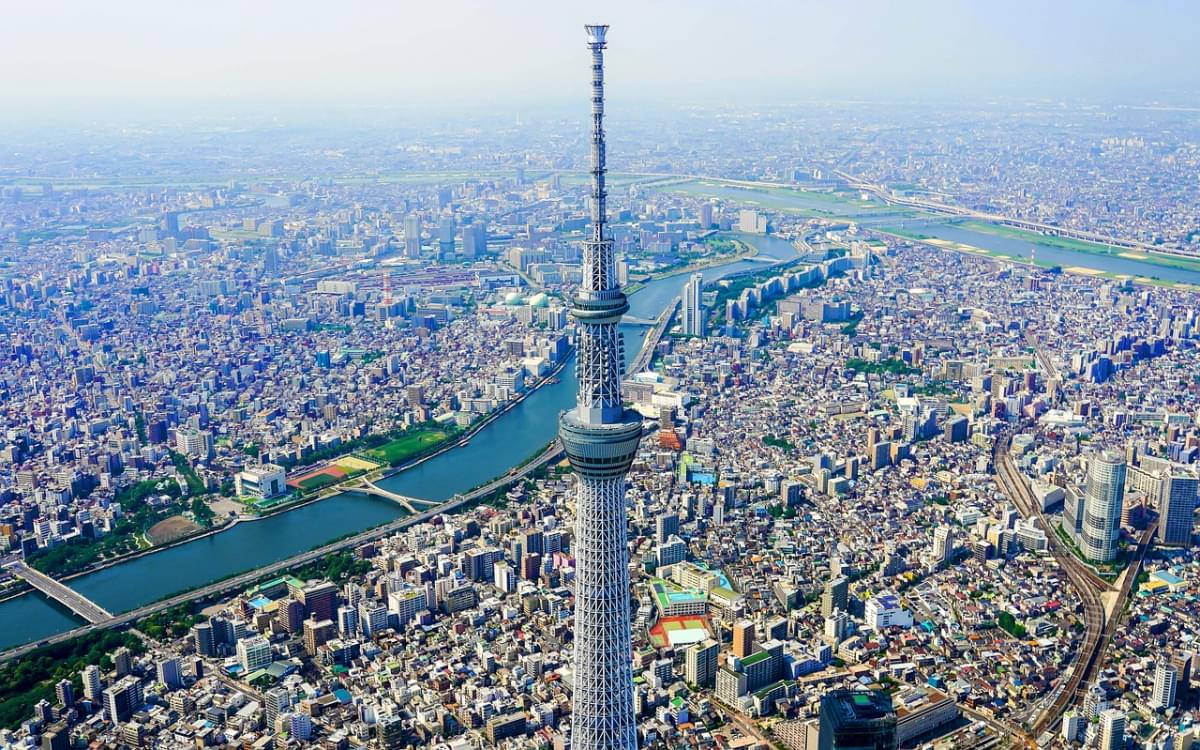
(781, 443)
(317, 481)
(1009, 625)
(893, 366)
(138, 515)
(173, 622)
(408, 445)
(851, 326)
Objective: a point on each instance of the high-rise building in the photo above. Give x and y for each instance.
(743, 638)
(1166, 680)
(692, 315)
(91, 682)
(347, 620)
(202, 636)
(412, 236)
(319, 600)
(475, 240)
(943, 544)
(122, 661)
(64, 691)
(701, 666)
(278, 701)
(170, 674)
(446, 236)
(601, 438)
(123, 698)
(835, 596)
(665, 525)
(1112, 729)
(1176, 510)
(253, 653)
(1102, 507)
(857, 720)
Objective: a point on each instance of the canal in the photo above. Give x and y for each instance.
(492, 451)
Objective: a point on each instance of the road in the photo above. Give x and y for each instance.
(61, 593)
(551, 452)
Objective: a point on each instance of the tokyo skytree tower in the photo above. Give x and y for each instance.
(601, 439)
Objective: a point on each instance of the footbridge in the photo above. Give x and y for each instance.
(61, 593)
(412, 504)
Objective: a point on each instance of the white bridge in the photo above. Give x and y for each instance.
(412, 504)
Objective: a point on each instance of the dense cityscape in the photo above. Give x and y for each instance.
(804, 426)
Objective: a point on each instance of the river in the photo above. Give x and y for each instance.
(504, 443)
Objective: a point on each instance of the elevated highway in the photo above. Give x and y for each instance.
(642, 361)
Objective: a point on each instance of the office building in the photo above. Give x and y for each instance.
(601, 438)
(857, 720)
(261, 481)
(1102, 507)
(691, 313)
(1177, 509)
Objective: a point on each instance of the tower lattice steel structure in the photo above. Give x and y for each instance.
(601, 437)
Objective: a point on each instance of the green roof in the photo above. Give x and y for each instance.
(755, 658)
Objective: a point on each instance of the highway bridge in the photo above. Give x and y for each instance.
(61, 593)
(237, 583)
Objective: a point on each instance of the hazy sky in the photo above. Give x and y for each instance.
(115, 53)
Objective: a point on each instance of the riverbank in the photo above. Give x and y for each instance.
(1003, 257)
(327, 492)
(1164, 259)
(746, 251)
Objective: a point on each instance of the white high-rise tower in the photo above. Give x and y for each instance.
(601, 438)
